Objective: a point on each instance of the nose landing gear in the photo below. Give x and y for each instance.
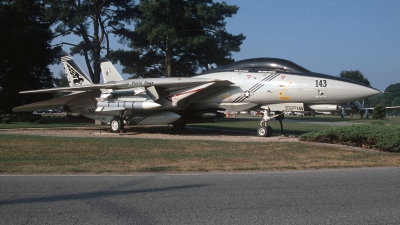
(266, 131)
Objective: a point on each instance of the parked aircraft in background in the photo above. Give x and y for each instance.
(256, 83)
(312, 109)
(356, 108)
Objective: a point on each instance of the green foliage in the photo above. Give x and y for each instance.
(391, 93)
(90, 20)
(395, 102)
(177, 38)
(61, 82)
(381, 137)
(355, 75)
(379, 113)
(25, 52)
(390, 97)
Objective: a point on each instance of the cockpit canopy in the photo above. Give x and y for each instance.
(265, 64)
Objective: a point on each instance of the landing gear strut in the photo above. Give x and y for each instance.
(264, 130)
(116, 125)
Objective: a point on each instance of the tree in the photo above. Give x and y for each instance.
(387, 97)
(396, 102)
(355, 75)
(78, 17)
(61, 82)
(177, 38)
(25, 52)
(391, 92)
(379, 112)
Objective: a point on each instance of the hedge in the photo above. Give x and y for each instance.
(373, 136)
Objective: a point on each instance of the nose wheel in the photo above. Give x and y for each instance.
(265, 131)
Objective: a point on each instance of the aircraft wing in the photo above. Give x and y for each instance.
(389, 107)
(48, 104)
(77, 88)
(393, 107)
(132, 83)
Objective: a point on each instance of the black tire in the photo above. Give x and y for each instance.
(116, 125)
(269, 131)
(179, 126)
(262, 131)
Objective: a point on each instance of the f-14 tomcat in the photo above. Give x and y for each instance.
(248, 84)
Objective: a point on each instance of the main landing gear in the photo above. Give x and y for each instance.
(116, 125)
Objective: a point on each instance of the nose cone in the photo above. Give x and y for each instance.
(338, 89)
(364, 91)
(352, 90)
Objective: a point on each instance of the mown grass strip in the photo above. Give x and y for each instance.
(64, 155)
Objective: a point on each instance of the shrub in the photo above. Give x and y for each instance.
(6, 120)
(378, 136)
(379, 113)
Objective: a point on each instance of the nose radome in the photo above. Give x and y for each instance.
(364, 91)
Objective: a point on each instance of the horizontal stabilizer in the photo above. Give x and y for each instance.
(49, 104)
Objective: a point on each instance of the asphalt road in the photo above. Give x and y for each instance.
(343, 196)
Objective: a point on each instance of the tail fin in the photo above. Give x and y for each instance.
(358, 105)
(75, 75)
(109, 72)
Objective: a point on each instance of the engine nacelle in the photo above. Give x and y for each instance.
(203, 114)
(150, 118)
(153, 118)
(324, 107)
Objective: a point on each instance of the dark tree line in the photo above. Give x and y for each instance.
(177, 38)
(25, 52)
(163, 38)
(92, 21)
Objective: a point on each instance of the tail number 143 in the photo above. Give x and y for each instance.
(320, 83)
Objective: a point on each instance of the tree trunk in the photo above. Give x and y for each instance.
(168, 56)
(96, 47)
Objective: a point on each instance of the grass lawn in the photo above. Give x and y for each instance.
(61, 155)
(24, 154)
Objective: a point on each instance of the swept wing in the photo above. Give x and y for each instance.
(174, 82)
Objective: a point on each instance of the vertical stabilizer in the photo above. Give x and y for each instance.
(75, 75)
(109, 72)
(358, 105)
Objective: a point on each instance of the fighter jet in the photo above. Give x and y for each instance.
(251, 84)
(356, 108)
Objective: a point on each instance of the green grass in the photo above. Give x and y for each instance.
(292, 124)
(64, 155)
(289, 126)
(50, 122)
(25, 154)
